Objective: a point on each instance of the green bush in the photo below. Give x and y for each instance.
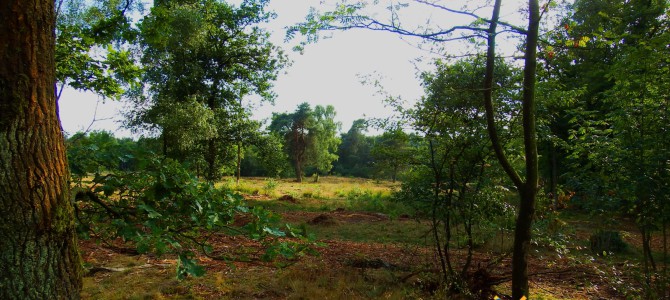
(605, 241)
(163, 208)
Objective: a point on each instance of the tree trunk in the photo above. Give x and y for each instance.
(553, 184)
(38, 247)
(211, 160)
(527, 189)
(522, 236)
(528, 192)
(298, 170)
(239, 162)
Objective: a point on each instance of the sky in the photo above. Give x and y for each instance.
(328, 72)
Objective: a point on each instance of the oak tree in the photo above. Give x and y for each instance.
(38, 246)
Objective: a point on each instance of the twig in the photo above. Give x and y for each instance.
(93, 270)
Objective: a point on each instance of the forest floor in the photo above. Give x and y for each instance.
(363, 254)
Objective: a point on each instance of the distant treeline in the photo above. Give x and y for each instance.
(385, 156)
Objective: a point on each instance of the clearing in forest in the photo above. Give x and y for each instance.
(369, 247)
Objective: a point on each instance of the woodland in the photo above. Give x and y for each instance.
(537, 173)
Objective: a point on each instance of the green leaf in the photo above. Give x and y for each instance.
(187, 266)
(152, 213)
(274, 231)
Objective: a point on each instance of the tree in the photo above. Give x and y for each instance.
(210, 55)
(354, 158)
(617, 137)
(266, 157)
(454, 180)
(294, 129)
(39, 258)
(309, 137)
(93, 46)
(392, 153)
(348, 15)
(323, 140)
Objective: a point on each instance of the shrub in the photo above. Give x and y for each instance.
(605, 241)
(163, 208)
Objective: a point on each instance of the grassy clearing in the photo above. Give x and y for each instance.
(328, 187)
(407, 232)
(330, 193)
(360, 222)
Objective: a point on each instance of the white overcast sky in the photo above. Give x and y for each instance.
(327, 73)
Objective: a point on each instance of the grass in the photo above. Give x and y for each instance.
(314, 280)
(357, 231)
(328, 187)
(408, 232)
(328, 194)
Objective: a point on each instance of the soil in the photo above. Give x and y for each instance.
(559, 276)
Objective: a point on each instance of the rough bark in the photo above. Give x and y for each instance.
(38, 252)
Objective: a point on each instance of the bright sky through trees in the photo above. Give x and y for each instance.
(327, 73)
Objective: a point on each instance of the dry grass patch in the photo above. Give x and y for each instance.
(328, 187)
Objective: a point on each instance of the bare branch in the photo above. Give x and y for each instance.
(488, 101)
(438, 36)
(460, 12)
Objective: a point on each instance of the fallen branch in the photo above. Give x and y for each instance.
(93, 270)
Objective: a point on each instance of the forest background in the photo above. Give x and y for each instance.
(577, 117)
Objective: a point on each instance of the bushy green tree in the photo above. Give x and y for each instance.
(100, 152)
(614, 133)
(393, 152)
(266, 157)
(207, 56)
(323, 140)
(310, 137)
(354, 158)
(457, 182)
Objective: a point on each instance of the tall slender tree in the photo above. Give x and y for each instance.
(294, 128)
(348, 15)
(324, 139)
(38, 247)
(310, 137)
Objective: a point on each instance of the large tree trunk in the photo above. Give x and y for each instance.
(38, 247)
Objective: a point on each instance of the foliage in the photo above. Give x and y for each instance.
(613, 131)
(310, 137)
(324, 139)
(604, 242)
(99, 151)
(202, 58)
(354, 157)
(454, 183)
(162, 208)
(92, 52)
(393, 152)
(266, 157)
